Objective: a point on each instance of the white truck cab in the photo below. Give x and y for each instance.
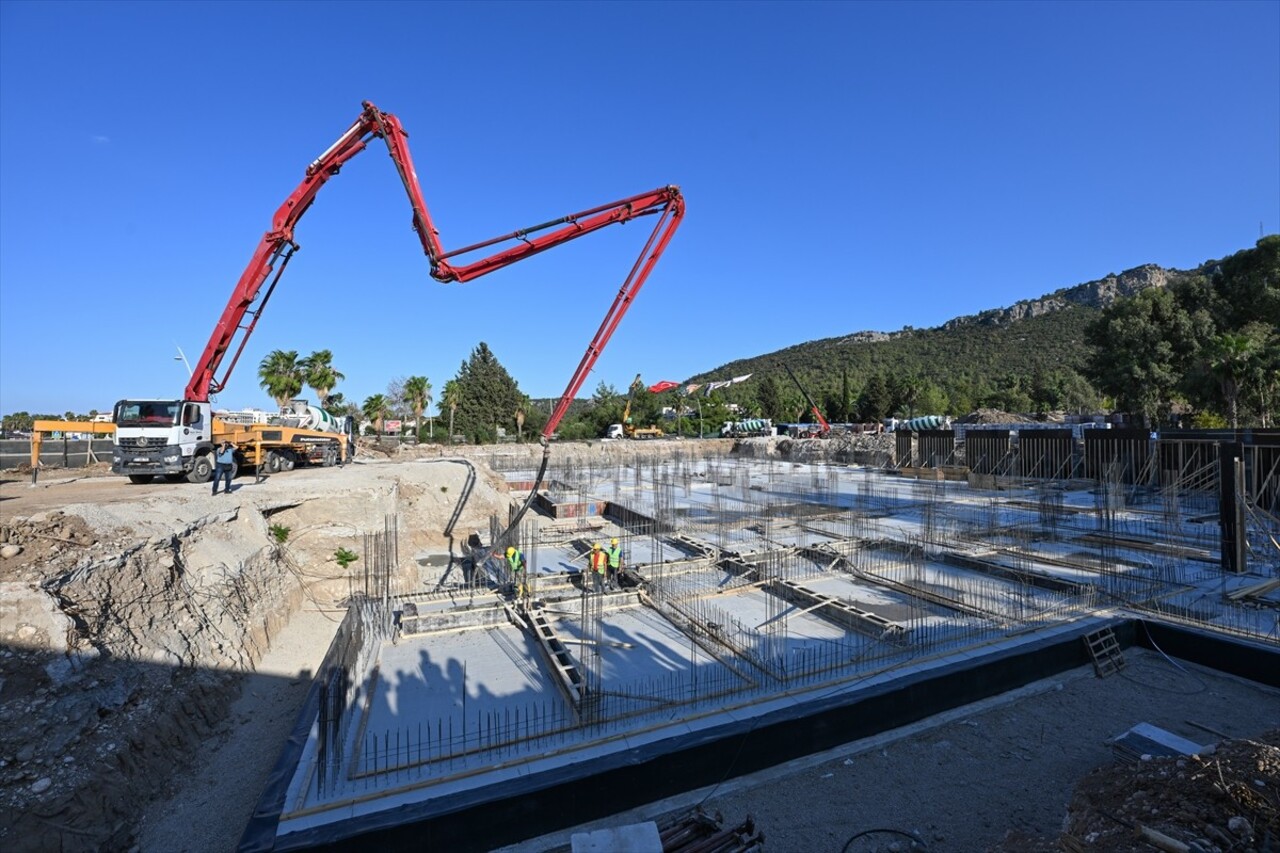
(173, 438)
(614, 431)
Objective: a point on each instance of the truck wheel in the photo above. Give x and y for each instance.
(141, 479)
(273, 462)
(287, 461)
(330, 457)
(201, 469)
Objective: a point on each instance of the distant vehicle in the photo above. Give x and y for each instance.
(747, 428)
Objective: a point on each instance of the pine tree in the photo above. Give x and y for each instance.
(769, 396)
(488, 396)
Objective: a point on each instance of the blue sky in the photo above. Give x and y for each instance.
(846, 166)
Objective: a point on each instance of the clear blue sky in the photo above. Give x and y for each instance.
(847, 166)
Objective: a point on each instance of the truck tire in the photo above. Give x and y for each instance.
(201, 469)
(141, 479)
(287, 460)
(274, 463)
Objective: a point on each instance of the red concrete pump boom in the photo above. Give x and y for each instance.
(277, 247)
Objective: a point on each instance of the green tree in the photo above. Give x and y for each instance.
(19, 422)
(281, 376)
(1231, 359)
(376, 408)
(488, 394)
(876, 401)
(1077, 395)
(1247, 285)
(605, 395)
(906, 390)
(932, 400)
(1263, 390)
(318, 372)
(337, 405)
(450, 397)
(769, 398)
(1142, 348)
(417, 395)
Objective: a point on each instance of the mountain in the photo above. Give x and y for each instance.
(968, 358)
(1092, 294)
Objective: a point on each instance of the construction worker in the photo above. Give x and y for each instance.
(599, 565)
(615, 563)
(515, 562)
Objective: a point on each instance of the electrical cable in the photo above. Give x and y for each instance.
(858, 835)
(1202, 688)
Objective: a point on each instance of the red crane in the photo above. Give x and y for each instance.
(249, 298)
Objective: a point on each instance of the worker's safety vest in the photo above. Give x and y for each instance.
(615, 556)
(515, 561)
(598, 561)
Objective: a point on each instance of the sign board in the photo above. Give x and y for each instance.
(392, 426)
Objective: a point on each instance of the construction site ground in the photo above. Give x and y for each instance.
(156, 642)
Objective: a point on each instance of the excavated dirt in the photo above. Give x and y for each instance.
(1229, 800)
(128, 615)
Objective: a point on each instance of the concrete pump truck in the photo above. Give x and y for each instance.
(176, 438)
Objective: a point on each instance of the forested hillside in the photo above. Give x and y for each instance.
(1153, 342)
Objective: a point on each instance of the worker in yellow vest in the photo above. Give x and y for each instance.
(599, 565)
(615, 564)
(515, 562)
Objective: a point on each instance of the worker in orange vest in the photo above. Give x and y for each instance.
(599, 565)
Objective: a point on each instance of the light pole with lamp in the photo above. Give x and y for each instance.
(182, 357)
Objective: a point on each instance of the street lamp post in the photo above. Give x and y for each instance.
(182, 357)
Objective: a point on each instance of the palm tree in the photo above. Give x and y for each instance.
(376, 409)
(317, 371)
(417, 393)
(1266, 383)
(281, 375)
(336, 404)
(451, 397)
(1230, 361)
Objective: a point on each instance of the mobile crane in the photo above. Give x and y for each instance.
(823, 429)
(627, 428)
(176, 438)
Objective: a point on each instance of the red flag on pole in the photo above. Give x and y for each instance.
(664, 385)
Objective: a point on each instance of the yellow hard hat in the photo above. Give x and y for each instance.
(595, 547)
(613, 541)
(510, 551)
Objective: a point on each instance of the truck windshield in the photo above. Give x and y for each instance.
(147, 412)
